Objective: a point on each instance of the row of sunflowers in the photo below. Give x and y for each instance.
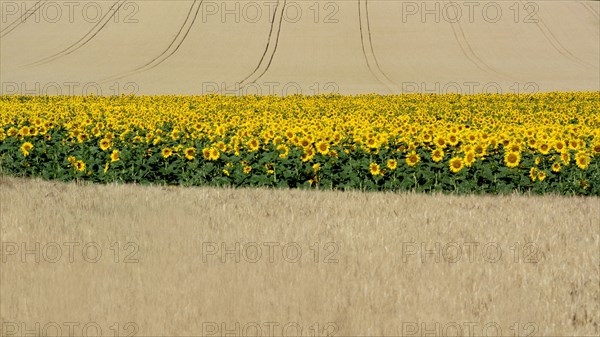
(540, 143)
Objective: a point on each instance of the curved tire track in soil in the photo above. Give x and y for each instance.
(86, 38)
(368, 50)
(36, 7)
(590, 8)
(177, 41)
(557, 45)
(270, 48)
(470, 54)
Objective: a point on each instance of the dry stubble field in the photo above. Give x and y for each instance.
(343, 263)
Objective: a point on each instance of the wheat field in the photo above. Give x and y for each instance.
(169, 261)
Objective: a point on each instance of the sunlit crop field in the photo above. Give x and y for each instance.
(451, 143)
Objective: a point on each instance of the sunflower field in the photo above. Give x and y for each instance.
(539, 143)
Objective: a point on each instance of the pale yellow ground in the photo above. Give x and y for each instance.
(286, 47)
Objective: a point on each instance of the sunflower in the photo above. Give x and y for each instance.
(533, 173)
(114, 156)
(559, 146)
(333, 153)
(284, 151)
(206, 153)
(323, 148)
(582, 160)
(372, 143)
(308, 154)
(440, 141)
(573, 144)
(25, 148)
(413, 158)
(541, 175)
(452, 139)
(80, 165)
(479, 150)
(469, 158)
(565, 157)
(437, 155)
(253, 145)
(247, 169)
(24, 131)
(105, 144)
(544, 148)
(304, 142)
(374, 169)
(221, 146)
(392, 164)
(315, 167)
(556, 167)
(513, 147)
(214, 154)
(512, 159)
(456, 164)
(596, 148)
(190, 153)
(226, 172)
(72, 160)
(166, 152)
(106, 167)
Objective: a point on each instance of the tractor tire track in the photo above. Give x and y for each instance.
(590, 8)
(467, 50)
(368, 51)
(559, 47)
(86, 38)
(36, 7)
(270, 48)
(177, 41)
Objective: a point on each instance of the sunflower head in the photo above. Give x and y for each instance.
(437, 155)
(323, 148)
(190, 153)
(392, 164)
(512, 159)
(533, 173)
(253, 145)
(412, 159)
(80, 165)
(114, 156)
(25, 148)
(469, 158)
(565, 157)
(284, 151)
(105, 144)
(206, 153)
(166, 152)
(456, 164)
(582, 160)
(374, 169)
(541, 175)
(214, 154)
